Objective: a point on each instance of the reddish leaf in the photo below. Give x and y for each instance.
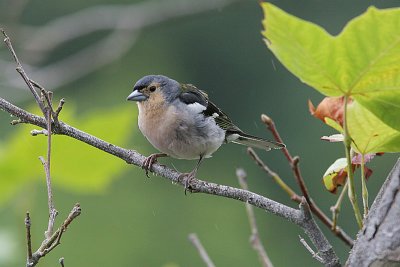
(331, 107)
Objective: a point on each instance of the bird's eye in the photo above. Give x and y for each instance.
(152, 88)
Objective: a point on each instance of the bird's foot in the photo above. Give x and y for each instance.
(150, 160)
(186, 178)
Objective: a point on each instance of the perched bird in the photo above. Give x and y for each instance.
(181, 122)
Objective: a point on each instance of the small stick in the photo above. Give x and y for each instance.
(294, 163)
(28, 236)
(203, 253)
(274, 175)
(255, 236)
(336, 209)
(61, 261)
(313, 254)
(21, 71)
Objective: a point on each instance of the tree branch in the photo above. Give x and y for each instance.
(294, 163)
(378, 244)
(28, 237)
(21, 71)
(54, 240)
(202, 252)
(299, 217)
(255, 236)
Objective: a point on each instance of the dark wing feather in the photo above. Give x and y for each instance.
(190, 94)
(221, 118)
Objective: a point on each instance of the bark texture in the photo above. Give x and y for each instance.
(378, 243)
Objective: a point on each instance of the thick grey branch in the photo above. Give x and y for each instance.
(378, 244)
(300, 217)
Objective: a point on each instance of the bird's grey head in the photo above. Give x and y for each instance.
(155, 84)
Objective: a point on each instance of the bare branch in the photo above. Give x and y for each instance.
(274, 175)
(61, 261)
(28, 237)
(313, 254)
(294, 163)
(54, 240)
(35, 132)
(21, 71)
(195, 185)
(336, 208)
(378, 242)
(324, 248)
(255, 237)
(202, 252)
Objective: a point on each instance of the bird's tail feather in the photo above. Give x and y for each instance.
(257, 142)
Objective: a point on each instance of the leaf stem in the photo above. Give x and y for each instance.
(350, 173)
(336, 209)
(364, 186)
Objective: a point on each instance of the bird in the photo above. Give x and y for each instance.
(181, 122)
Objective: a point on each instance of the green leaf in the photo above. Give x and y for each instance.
(370, 134)
(74, 165)
(335, 175)
(361, 62)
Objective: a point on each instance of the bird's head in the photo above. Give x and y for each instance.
(155, 88)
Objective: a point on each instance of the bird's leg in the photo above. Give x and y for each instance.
(150, 160)
(187, 177)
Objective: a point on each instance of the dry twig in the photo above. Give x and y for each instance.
(294, 163)
(45, 103)
(255, 236)
(312, 252)
(193, 238)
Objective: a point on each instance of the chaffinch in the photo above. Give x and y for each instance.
(181, 122)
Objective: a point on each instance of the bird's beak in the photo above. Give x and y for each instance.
(136, 96)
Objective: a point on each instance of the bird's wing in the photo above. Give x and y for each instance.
(198, 100)
(192, 95)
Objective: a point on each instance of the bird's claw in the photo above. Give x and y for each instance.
(149, 161)
(186, 178)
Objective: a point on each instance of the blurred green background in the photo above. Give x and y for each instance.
(91, 53)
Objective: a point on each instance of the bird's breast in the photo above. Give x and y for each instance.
(180, 133)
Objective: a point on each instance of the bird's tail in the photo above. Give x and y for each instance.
(253, 141)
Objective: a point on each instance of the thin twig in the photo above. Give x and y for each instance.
(274, 175)
(312, 252)
(293, 161)
(336, 208)
(35, 132)
(52, 210)
(193, 238)
(49, 244)
(28, 237)
(61, 261)
(255, 236)
(21, 71)
(58, 110)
